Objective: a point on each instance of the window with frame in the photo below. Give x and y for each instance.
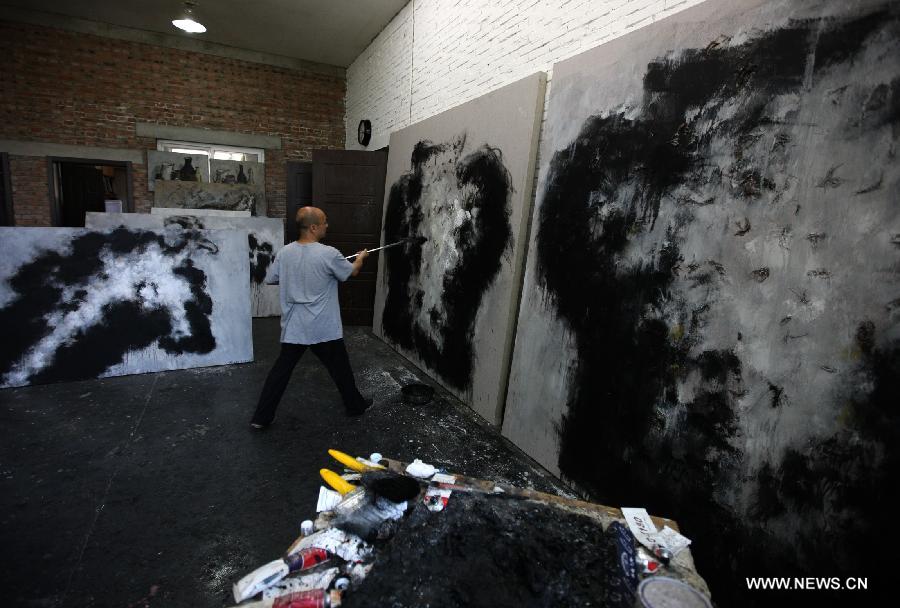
(212, 151)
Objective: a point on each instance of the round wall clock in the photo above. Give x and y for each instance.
(364, 132)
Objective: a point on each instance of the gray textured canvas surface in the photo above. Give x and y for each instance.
(710, 315)
(265, 237)
(79, 303)
(207, 212)
(449, 304)
(198, 195)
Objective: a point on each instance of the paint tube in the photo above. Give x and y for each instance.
(348, 547)
(319, 579)
(259, 579)
(647, 564)
(314, 598)
(436, 498)
(305, 559)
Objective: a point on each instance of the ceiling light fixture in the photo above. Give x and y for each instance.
(187, 22)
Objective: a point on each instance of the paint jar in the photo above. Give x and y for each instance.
(307, 527)
(313, 598)
(665, 592)
(342, 584)
(417, 394)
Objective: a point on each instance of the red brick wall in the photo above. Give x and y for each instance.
(70, 88)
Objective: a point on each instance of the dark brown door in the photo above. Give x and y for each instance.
(299, 194)
(349, 186)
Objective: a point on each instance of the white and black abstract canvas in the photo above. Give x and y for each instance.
(265, 236)
(710, 320)
(463, 181)
(77, 303)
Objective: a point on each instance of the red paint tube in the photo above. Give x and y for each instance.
(306, 558)
(314, 598)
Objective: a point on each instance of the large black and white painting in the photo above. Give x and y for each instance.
(709, 323)
(462, 182)
(78, 303)
(265, 236)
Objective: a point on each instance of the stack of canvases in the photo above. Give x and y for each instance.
(129, 294)
(709, 312)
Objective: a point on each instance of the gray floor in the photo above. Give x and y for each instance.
(151, 490)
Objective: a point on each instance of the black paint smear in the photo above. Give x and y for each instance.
(261, 256)
(126, 325)
(197, 311)
(95, 349)
(607, 185)
(482, 243)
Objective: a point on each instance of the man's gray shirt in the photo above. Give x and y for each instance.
(308, 274)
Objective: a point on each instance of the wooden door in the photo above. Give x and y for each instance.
(299, 194)
(349, 186)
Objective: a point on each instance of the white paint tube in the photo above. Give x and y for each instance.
(259, 579)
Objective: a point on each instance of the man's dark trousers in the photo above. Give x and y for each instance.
(332, 354)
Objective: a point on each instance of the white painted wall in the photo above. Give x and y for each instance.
(437, 54)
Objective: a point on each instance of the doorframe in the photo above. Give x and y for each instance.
(6, 187)
(52, 181)
(294, 166)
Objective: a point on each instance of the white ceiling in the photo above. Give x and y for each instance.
(333, 32)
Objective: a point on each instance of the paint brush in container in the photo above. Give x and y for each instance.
(415, 240)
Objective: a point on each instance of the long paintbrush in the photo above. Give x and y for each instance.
(418, 240)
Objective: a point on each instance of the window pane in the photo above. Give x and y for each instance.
(189, 151)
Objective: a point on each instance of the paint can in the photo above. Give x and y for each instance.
(314, 598)
(417, 394)
(306, 558)
(665, 592)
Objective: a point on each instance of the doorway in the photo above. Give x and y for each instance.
(81, 185)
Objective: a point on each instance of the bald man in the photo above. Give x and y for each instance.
(308, 273)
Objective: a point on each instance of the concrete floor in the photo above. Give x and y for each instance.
(151, 490)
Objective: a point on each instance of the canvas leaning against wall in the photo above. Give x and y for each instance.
(77, 304)
(463, 181)
(709, 322)
(265, 237)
